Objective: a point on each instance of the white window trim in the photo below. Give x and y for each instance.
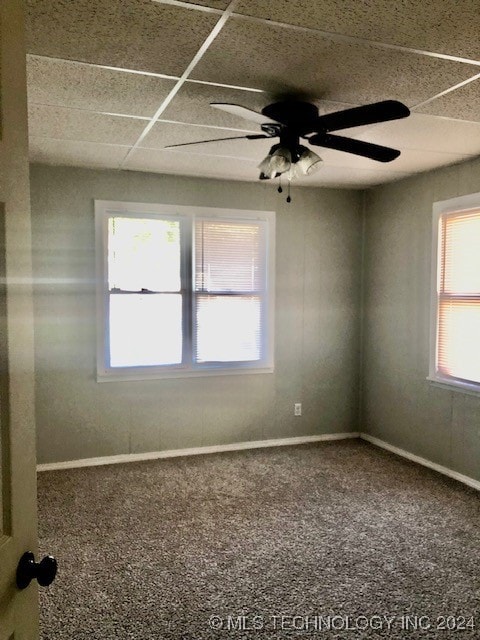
(454, 205)
(104, 209)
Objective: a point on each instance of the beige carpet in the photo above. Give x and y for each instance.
(341, 539)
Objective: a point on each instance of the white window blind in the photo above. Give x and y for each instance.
(182, 291)
(230, 290)
(458, 297)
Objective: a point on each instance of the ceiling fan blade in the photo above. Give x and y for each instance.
(242, 112)
(358, 147)
(250, 136)
(367, 114)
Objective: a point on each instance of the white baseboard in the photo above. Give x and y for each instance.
(257, 444)
(471, 482)
(175, 453)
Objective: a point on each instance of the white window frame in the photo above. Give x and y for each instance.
(461, 204)
(105, 209)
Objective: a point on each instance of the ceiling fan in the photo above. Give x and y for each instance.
(293, 120)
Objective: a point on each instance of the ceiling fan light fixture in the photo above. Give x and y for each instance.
(281, 160)
(308, 162)
(278, 161)
(295, 172)
(266, 170)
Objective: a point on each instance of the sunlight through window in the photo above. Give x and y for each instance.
(458, 293)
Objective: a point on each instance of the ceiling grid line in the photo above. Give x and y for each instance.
(340, 37)
(225, 86)
(208, 126)
(137, 117)
(243, 130)
(196, 59)
(447, 91)
(141, 72)
(85, 110)
(103, 144)
(189, 5)
(106, 67)
(228, 86)
(328, 34)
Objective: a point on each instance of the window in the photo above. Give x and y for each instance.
(455, 357)
(183, 290)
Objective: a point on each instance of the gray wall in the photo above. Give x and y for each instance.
(318, 248)
(399, 405)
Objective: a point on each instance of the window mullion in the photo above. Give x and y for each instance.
(186, 247)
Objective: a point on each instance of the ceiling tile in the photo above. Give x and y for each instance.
(160, 161)
(348, 178)
(443, 26)
(192, 104)
(71, 124)
(77, 154)
(428, 133)
(462, 103)
(281, 60)
(132, 34)
(410, 161)
(69, 84)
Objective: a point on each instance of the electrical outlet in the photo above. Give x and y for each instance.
(298, 409)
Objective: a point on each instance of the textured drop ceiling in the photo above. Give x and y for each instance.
(112, 82)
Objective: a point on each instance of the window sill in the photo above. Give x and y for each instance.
(178, 373)
(452, 385)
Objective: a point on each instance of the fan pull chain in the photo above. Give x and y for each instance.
(289, 199)
(280, 184)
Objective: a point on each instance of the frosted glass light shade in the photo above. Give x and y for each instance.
(266, 169)
(309, 162)
(281, 160)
